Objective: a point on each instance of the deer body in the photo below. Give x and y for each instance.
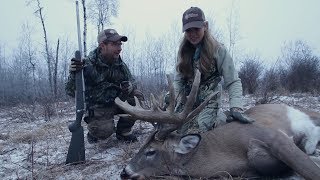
(265, 147)
(278, 141)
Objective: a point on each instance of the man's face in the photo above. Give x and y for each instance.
(111, 50)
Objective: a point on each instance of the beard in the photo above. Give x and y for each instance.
(110, 58)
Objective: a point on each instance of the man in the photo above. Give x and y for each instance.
(106, 77)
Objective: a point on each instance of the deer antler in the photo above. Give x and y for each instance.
(156, 114)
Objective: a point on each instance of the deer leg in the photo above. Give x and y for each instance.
(261, 159)
(283, 148)
(311, 140)
(315, 160)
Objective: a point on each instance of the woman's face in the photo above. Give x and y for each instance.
(195, 35)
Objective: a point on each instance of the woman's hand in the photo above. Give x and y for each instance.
(236, 114)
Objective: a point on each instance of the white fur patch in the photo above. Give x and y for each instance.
(301, 124)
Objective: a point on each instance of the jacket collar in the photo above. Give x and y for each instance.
(100, 62)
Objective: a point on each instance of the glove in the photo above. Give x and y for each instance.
(75, 65)
(110, 94)
(126, 87)
(236, 114)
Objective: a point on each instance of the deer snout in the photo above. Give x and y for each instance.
(125, 175)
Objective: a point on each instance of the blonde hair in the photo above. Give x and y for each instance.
(187, 50)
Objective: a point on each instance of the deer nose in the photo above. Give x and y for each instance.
(124, 175)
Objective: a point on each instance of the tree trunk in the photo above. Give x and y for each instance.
(84, 28)
(46, 46)
(56, 71)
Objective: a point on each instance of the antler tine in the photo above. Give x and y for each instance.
(184, 116)
(192, 95)
(201, 106)
(152, 115)
(171, 94)
(154, 103)
(155, 114)
(136, 100)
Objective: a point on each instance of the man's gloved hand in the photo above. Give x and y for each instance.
(236, 114)
(75, 65)
(110, 94)
(126, 87)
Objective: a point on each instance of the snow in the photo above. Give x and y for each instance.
(32, 147)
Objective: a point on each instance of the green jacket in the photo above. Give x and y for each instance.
(224, 68)
(102, 81)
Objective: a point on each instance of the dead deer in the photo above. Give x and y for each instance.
(277, 142)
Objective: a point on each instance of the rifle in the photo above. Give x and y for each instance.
(76, 151)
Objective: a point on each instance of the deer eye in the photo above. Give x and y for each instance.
(151, 152)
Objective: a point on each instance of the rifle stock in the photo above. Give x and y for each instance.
(76, 151)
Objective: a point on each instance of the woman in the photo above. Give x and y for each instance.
(199, 50)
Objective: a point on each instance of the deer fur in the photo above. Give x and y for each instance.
(264, 148)
(278, 142)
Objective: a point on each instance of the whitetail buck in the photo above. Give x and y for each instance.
(277, 142)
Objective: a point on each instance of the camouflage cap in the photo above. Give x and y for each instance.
(110, 35)
(193, 17)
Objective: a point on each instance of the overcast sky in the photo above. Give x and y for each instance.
(264, 25)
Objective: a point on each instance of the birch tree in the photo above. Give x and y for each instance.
(233, 28)
(40, 15)
(101, 11)
(84, 9)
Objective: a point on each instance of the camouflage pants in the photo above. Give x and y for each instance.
(211, 116)
(101, 120)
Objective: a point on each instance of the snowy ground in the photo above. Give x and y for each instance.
(32, 148)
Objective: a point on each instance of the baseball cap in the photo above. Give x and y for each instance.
(193, 17)
(110, 35)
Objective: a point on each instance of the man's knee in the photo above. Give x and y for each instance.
(124, 125)
(101, 129)
(100, 122)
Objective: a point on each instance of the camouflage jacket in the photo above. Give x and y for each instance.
(209, 82)
(102, 81)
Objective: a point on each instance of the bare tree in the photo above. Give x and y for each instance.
(48, 57)
(233, 28)
(84, 27)
(65, 56)
(100, 12)
(130, 49)
(152, 61)
(172, 40)
(215, 30)
(249, 74)
(303, 67)
(270, 86)
(31, 54)
(23, 68)
(55, 73)
(3, 74)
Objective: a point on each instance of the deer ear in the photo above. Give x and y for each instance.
(187, 143)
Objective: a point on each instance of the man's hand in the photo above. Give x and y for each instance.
(126, 87)
(75, 65)
(236, 114)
